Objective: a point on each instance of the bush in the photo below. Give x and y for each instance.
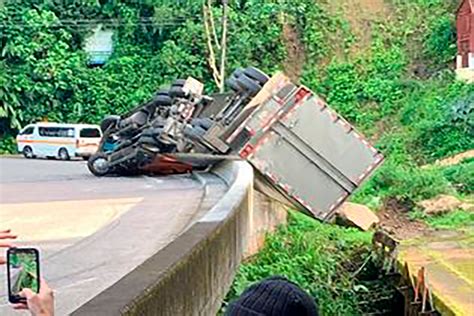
(437, 118)
(452, 220)
(461, 176)
(440, 42)
(313, 255)
(403, 182)
(455, 219)
(342, 88)
(7, 145)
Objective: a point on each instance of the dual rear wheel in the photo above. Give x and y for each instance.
(249, 80)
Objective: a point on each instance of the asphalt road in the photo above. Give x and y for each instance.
(91, 231)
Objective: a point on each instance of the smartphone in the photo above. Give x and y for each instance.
(23, 270)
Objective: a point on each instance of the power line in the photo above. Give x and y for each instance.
(82, 23)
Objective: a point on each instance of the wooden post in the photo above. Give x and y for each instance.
(213, 45)
(223, 44)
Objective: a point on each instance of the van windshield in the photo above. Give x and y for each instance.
(89, 133)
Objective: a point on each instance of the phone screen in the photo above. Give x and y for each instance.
(23, 271)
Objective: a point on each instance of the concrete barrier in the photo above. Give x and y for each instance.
(192, 274)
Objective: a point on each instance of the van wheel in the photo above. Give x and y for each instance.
(63, 154)
(28, 152)
(98, 165)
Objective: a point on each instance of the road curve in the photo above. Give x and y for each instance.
(92, 231)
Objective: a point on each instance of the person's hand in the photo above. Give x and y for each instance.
(5, 234)
(39, 304)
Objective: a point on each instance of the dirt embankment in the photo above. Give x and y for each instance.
(295, 54)
(394, 220)
(454, 160)
(362, 15)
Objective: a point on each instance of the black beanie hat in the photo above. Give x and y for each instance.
(271, 297)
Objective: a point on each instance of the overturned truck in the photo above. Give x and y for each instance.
(303, 152)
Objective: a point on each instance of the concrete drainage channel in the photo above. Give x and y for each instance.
(192, 274)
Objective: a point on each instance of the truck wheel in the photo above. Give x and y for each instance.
(204, 123)
(63, 154)
(165, 91)
(163, 100)
(237, 73)
(232, 83)
(28, 152)
(256, 74)
(177, 92)
(108, 121)
(148, 140)
(178, 83)
(194, 133)
(249, 84)
(98, 164)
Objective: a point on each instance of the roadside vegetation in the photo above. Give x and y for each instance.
(456, 219)
(330, 262)
(396, 84)
(391, 75)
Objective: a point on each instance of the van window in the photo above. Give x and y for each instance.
(28, 131)
(56, 131)
(89, 133)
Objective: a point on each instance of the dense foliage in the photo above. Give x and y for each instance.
(454, 220)
(397, 87)
(400, 90)
(307, 253)
(44, 72)
(323, 259)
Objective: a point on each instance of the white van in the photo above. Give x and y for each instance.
(59, 140)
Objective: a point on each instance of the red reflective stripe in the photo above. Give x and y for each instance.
(53, 142)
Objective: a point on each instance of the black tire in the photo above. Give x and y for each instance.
(232, 83)
(148, 140)
(28, 152)
(177, 92)
(204, 123)
(248, 84)
(86, 158)
(164, 100)
(194, 133)
(139, 118)
(256, 74)
(178, 83)
(98, 165)
(164, 91)
(152, 132)
(237, 73)
(63, 154)
(109, 121)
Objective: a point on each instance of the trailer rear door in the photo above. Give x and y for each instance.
(313, 156)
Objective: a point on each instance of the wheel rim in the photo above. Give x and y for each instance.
(28, 152)
(100, 164)
(63, 154)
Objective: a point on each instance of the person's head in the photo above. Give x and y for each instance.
(275, 296)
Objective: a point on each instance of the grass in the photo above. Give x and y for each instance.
(454, 220)
(321, 258)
